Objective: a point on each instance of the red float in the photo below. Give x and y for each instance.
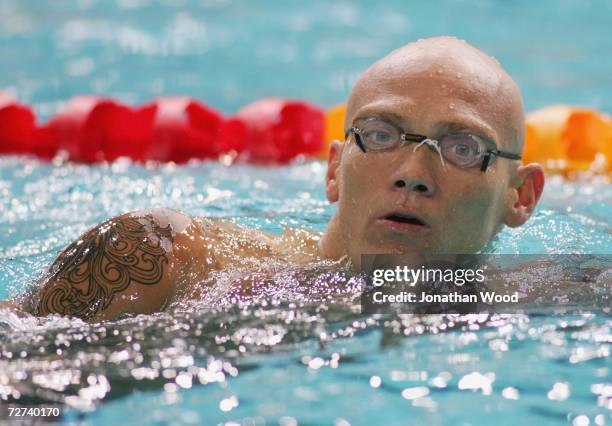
(185, 129)
(278, 129)
(96, 129)
(17, 125)
(93, 129)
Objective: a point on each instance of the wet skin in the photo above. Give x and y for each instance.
(143, 261)
(432, 87)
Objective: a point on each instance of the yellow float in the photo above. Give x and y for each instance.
(568, 140)
(334, 128)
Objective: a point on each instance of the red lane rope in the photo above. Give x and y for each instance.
(92, 129)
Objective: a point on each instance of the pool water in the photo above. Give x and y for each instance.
(307, 361)
(312, 362)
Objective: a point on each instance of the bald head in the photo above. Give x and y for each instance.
(456, 68)
(408, 199)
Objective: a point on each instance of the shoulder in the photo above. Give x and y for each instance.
(301, 243)
(128, 263)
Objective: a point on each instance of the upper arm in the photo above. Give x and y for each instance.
(127, 264)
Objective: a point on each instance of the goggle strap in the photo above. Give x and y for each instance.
(508, 155)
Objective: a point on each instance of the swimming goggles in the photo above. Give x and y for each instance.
(463, 150)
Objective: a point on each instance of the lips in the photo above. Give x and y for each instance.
(404, 218)
(404, 221)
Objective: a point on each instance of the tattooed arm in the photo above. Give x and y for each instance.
(127, 264)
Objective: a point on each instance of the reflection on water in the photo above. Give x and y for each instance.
(242, 357)
(312, 360)
(213, 361)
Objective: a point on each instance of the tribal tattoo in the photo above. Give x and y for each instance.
(103, 262)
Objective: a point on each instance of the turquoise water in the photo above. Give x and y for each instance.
(310, 362)
(230, 53)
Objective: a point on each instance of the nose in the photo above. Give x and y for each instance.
(415, 174)
(414, 184)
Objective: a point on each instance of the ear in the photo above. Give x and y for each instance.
(332, 186)
(528, 185)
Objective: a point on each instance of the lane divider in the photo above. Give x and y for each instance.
(565, 139)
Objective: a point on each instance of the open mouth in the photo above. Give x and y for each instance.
(401, 218)
(404, 221)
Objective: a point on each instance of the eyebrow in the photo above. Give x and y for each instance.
(389, 116)
(476, 127)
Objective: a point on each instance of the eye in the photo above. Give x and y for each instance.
(462, 150)
(379, 135)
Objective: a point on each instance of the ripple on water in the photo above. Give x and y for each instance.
(211, 360)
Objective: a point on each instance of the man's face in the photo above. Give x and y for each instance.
(406, 201)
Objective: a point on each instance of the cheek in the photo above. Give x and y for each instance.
(359, 182)
(469, 204)
(478, 193)
(475, 210)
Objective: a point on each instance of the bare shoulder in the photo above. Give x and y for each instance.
(294, 245)
(302, 245)
(143, 261)
(126, 264)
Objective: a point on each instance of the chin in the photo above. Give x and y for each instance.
(395, 248)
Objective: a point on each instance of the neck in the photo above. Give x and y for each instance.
(330, 245)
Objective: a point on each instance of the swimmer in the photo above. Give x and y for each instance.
(430, 164)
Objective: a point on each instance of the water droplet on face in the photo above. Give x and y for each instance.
(451, 106)
(459, 75)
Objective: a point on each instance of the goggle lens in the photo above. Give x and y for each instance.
(462, 150)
